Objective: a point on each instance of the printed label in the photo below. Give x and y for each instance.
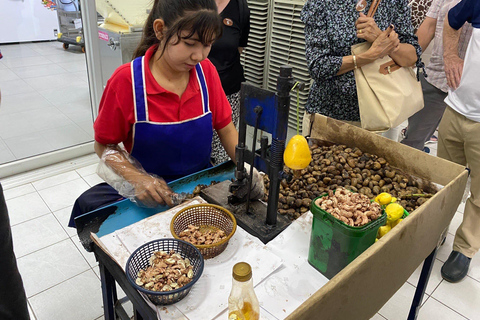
(102, 35)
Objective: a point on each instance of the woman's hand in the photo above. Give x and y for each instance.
(367, 28)
(151, 191)
(386, 43)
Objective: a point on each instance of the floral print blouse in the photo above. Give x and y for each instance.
(329, 34)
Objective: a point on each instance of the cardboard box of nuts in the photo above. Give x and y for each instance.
(364, 283)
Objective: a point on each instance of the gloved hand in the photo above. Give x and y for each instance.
(258, 189)
(126, 175)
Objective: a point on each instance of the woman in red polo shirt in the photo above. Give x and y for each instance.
(163, 107)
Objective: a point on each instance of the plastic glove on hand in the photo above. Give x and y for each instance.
(151, 191)
(258, 189)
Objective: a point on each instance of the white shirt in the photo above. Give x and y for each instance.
(466, 98)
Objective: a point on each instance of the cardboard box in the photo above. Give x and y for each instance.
(367, 283)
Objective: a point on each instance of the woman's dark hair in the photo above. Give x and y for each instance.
(196, 16)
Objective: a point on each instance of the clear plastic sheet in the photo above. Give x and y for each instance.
(126, 175)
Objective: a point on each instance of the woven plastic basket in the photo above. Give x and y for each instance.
(205, 215)
(140, 260)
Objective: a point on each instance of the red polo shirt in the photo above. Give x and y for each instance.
(116, 116)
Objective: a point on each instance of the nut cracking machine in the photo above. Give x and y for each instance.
(267, 111)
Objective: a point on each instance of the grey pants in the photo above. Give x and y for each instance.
(423, 124)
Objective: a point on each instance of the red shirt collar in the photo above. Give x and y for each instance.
(152, 85)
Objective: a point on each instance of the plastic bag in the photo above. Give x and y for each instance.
(139, 184)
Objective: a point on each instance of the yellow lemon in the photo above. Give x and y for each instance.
(297, 154)
(394, 212)
(384, 198)
(396, 222)
(383, 230)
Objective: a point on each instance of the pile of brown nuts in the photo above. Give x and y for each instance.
(167, 272)
(354, 209)
(340, 166)
(203, 235)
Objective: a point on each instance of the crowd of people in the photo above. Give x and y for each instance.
(451, 98)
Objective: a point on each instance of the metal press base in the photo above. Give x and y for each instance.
(253, 222)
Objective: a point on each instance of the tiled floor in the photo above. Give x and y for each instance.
(45, 99)
(62, 282)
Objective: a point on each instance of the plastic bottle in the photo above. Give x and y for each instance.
(242, 302)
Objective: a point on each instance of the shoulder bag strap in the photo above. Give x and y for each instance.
(373, 8)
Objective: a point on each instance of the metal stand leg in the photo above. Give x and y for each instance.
(422, 285)
(109, 292)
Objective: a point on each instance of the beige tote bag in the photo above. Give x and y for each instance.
(387, 93)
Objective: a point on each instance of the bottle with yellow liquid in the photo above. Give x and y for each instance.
(242, 302)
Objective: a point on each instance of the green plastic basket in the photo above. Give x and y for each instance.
(334, 244)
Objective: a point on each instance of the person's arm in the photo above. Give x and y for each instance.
(426, 32)
(229, 138)
(453, 63)
(240, 50)
(405, 55)
(409, 50)
(149, 190)
(386, 43)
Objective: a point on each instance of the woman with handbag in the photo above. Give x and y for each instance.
(331, 29)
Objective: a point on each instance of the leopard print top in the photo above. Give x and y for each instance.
(419, 11)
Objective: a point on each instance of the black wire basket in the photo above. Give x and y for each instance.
(140, 259)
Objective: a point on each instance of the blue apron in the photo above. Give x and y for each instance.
(172, 149)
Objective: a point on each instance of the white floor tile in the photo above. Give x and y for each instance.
(18, 191)
(48, 118)
(398, 307)
(73, 66)
(456, 221)
(63, 216)
(13, 87)
(55, 180)
(445, 250)
(433, 281)
(22, 102)
(17, 50)
(474, 271)
(88, 170)
(461, 207)
(26, 207)
(30, 312)
(5, 154)
(93, 179)
(88, 256)
(79, 298)
(432, 309)
(64, 195)
(27, 145)
(8, 75)
(15, 125)
(36, 234)
(463, 297)
(2, 65)
(38, 71)
(22, 62)
(71, 90)
(377, 317)
(50, 266)
(55, 82)
(67, 56)
(66, 136)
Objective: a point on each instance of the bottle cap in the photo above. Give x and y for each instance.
(242, 272)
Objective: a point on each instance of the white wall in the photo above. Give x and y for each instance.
(26, 20)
